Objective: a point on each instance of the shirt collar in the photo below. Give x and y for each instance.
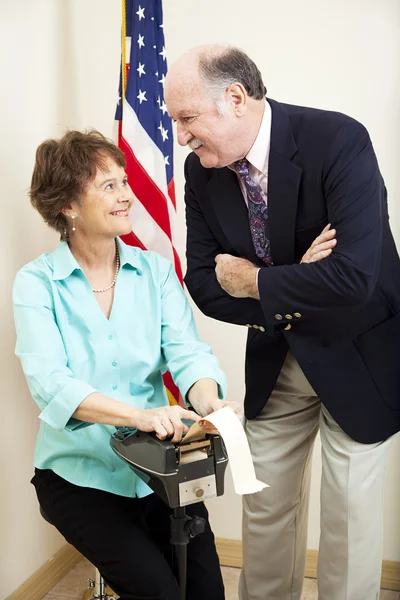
(128, 255)
(64, 262)
(258, 154)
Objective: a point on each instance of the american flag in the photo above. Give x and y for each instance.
(144, 132)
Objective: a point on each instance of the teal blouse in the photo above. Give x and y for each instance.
(69, 349)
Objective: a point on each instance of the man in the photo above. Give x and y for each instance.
(263, 180)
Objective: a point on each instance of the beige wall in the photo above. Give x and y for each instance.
(60, 68)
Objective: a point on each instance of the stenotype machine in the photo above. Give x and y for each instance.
(180, 474)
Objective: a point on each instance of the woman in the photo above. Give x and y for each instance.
(97, 323)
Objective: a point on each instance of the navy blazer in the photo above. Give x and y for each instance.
(340, 316)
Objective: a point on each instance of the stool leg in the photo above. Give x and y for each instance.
(97, 589)
(100, 587)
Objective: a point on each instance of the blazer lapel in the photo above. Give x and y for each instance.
(230, 208)
(283, 187)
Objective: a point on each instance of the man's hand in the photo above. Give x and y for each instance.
(321, 247)
(237, 276)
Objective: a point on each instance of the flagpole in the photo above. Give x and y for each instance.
(123, 52)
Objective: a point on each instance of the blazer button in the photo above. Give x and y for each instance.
(288, 326)
(261, 328)
(297, 315)
(247, 325)
(288, 317)
(255, 327)
(278, 317)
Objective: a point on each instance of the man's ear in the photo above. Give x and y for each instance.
(238, 97)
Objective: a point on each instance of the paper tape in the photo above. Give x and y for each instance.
(237, 447)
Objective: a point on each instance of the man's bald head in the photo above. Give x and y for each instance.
(216, 96)
(215, 68)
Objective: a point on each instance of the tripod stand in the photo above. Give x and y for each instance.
(183, 529)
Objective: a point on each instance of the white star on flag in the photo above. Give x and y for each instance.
(163, 54)
(164, 132)
(140, 40)
(162, 80)
(163, 107)
(140, 13)
(141, 70)
(142, 96)
(166, 160)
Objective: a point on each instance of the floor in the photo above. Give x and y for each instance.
(73, 585)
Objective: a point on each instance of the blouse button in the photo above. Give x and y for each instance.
(115, 387)
(114, 363)
(110, 336)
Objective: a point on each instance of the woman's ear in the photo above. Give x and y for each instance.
(70, 211)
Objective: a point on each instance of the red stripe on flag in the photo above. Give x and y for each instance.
(146, 190)
(171, 192)
(132, 240)
(177, 264)
(169, 383)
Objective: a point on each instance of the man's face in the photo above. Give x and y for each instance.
(214, 137)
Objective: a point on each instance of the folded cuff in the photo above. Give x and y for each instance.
(58, 413)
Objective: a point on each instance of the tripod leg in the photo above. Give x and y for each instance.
(181, 557)
(183, 528)
(180, 540)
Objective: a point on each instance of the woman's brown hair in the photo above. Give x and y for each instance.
(63, 168)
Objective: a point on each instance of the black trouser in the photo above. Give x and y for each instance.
(128, 540)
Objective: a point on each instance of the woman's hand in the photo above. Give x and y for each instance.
(322, 246)
(212, 405)
(203, 396)
(165, 421)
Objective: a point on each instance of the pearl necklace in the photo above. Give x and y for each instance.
(105, 289)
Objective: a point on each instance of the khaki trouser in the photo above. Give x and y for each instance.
(281, 439)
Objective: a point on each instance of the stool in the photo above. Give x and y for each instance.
(96, 587)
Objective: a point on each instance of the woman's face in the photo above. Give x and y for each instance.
(105, 205)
